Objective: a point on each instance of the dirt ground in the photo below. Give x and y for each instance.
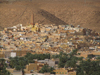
(85, 13)
(17, 73)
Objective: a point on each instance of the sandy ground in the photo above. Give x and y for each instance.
(76, 12)
(17, 73)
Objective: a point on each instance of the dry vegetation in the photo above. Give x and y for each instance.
(75, 12)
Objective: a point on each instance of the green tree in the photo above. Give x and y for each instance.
(63, 57)
(74, 52)
(80, 71)
(46, 69)
(30, 56)
(89, 67)
(18, 63)
(3, 66)
(68, 60)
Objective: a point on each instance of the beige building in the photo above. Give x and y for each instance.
(61, 71)
(34, 67)
(64, 71)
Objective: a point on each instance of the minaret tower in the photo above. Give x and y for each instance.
(32, 19)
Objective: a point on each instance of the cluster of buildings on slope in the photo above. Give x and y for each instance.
(18, 40)
(46, 39)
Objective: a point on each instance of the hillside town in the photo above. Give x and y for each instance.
(51, 39)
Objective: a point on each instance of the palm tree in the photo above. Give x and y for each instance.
(3, 66)
(18, 63)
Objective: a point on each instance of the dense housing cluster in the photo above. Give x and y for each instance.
(48, 39)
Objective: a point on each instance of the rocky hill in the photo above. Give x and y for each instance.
(76, 12)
